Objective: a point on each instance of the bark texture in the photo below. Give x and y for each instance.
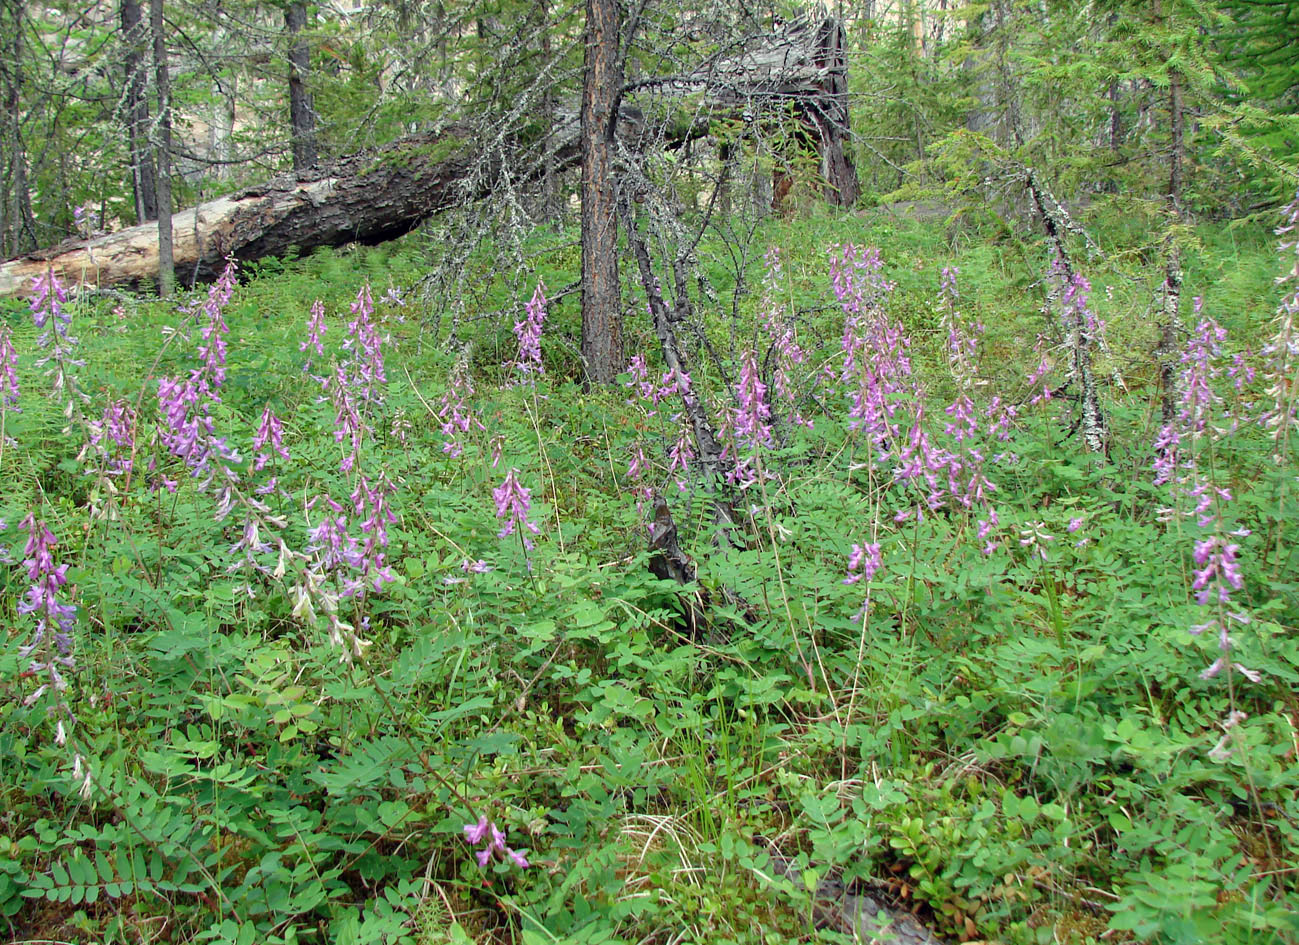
(827, 112)
(601, 293)
(302, 116)
(166, 267)
(134, 37)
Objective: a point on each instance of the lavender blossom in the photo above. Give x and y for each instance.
(639, 464)
(788, 354)
(212, 349)
(514, 504)
(640, 381)
(48, 301)
(679, 457)
(365, 367)
(751, 421)
(50, 313)
(112, 439)
(348, 423)
(1034, 538)
(8, 369)
(487, 833)
(50, 648)
(370, 502)
(876, 363)
(962, 336)
(864, 562)
(528, 332)
(456, 417)
(1217, 574)
(270, 433)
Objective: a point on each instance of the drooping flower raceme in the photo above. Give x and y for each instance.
(370, 502)
(269, 440)
(456, 416)
(514, 505)
(8, 369)
(365, 367)
(788, 354)
(528, 332)
(53, 317)
(751, 422)
(111, 439)
(962, 335)
(50, 649)
(1217, 575)
(864, 563)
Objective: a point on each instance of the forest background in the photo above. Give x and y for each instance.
(743, 512)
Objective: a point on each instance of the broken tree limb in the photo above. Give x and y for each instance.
(1077, 330)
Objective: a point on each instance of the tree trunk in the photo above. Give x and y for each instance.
(20, 231)
(828, 114)
(302, 117)
(601, 293)
(134, 38)
(166, 256)
(1171, 328)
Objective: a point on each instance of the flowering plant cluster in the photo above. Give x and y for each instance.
(493, 841)
(528, 332)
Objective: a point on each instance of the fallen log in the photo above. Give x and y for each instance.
(367, 197)
(384, 193)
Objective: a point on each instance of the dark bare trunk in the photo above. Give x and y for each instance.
(601, 295)
(19, 232)
(135, 39)
(302, 117)
(162, 79)
(1171, 328)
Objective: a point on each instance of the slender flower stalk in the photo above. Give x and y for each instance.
(315, 340)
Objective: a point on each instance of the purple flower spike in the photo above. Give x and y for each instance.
(528, 363)
(514, 503)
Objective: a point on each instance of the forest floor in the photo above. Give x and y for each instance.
(354, 635)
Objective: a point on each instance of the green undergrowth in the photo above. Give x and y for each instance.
(1016, 745)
